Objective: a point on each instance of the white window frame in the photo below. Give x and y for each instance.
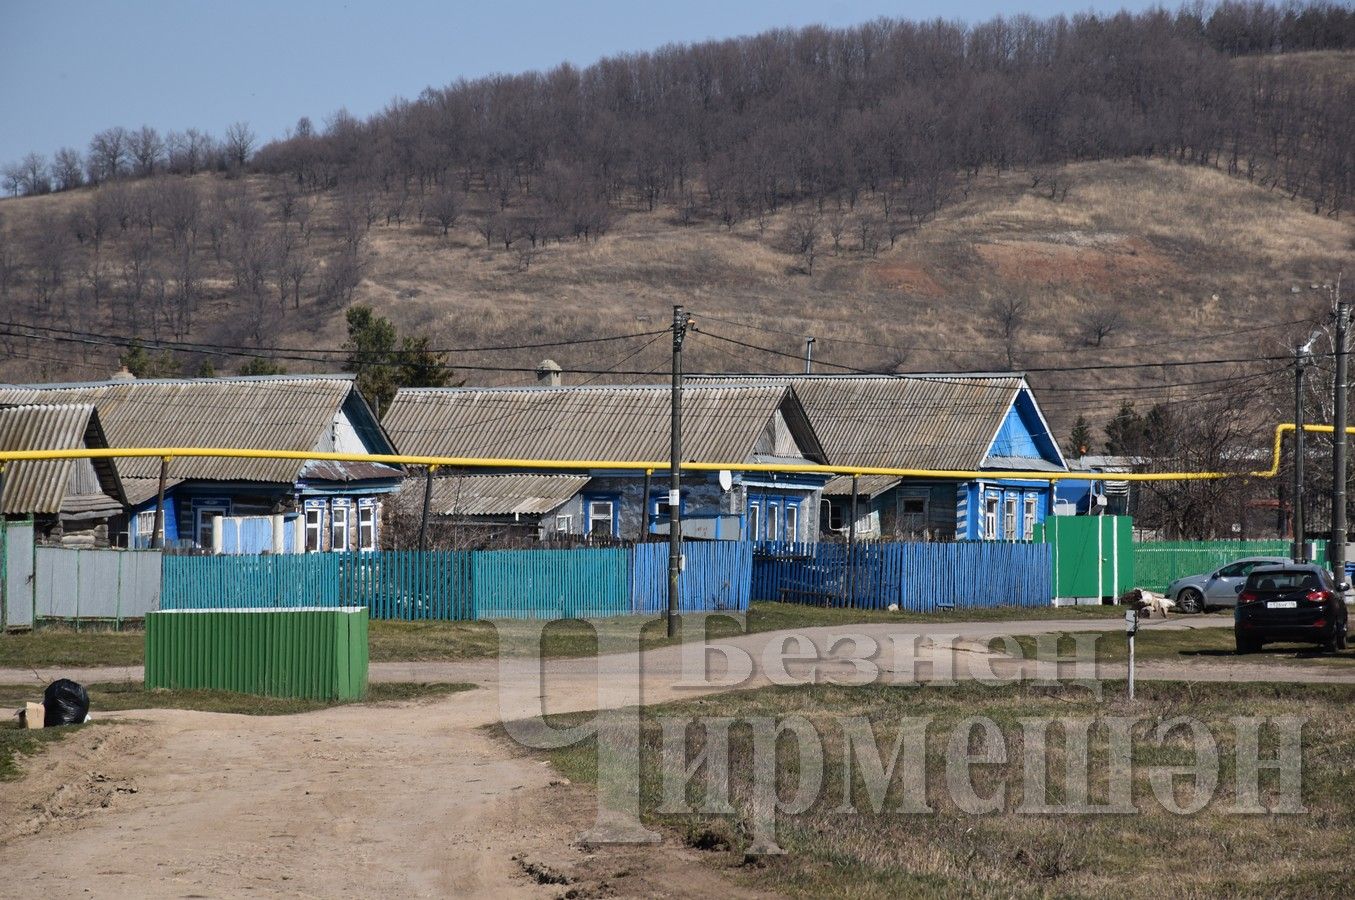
(1031, 509)
(792, 522)
(338, 525)
(755, 521)
(773, 521)
(315, 525)
(1009, 519)
(203, 513)
(143, 528)
(990, 513)
(594, 516)
(367, 521)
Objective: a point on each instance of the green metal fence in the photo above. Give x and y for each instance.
(1159, 563)
(310, 653)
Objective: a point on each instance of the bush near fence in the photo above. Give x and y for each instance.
(1159, 563)
(919, 577)
(465, 585)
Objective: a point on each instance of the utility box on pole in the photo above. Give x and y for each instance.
(1093, 557)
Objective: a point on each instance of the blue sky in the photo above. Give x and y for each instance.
(68, 69)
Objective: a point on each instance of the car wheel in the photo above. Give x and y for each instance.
(1342, 636)
(1190, 601)
(1247, 645)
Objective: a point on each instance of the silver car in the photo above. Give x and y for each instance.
(1198, 593)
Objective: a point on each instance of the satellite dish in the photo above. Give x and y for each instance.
(726, 479)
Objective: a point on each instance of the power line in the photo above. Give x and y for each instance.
(970, 350)
(218, 348)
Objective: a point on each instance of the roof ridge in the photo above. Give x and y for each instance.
(113, 382)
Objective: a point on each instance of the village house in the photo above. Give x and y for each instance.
(71, 501)
(239, 505)
(961, 422)
(721, 423)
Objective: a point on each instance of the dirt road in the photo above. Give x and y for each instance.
(411, 799)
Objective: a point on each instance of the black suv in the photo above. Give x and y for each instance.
(1298, 603)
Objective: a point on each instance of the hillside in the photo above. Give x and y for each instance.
(1174, 257)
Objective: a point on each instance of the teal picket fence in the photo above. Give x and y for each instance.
(1159, 563)
(551, 584)
(248, 582)
(466, 585)
(919, 577)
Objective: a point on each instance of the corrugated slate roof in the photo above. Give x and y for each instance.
(43, 486)
(866, 485)
(941, 421)
(501, 495)
(272, 412)
(721, 423)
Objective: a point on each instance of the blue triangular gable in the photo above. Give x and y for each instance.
(1024, 435)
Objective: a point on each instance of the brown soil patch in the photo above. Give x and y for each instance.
(1088, 263)
(908, 277)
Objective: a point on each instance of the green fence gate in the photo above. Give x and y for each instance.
(1093, 557)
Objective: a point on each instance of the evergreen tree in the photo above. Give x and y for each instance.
(260, 366)
(144, 364)
(383, 363)
(1080, 439)
(1124, 432)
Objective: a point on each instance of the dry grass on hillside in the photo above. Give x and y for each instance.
(1183, 253)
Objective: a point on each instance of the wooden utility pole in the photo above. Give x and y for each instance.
(4, 555)
(1299, 552)
(427, 499)
(680, 322)
(851, 545)
(1336, 555)
(158, 532)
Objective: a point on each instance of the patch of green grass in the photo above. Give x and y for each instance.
(16, 742)
(393, 641)
(1185, 645)
(62, 646)
(881, 852)
(399, 641)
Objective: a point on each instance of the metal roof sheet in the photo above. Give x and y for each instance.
(41, 486)
(500, 495)
(720, 423)
(941, 421)
(276, 412)
(866, 485)
(333, 470)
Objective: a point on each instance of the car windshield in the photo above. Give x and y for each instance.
(1284, 582)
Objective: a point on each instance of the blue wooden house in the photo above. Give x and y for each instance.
(968, 422)
(762, 423)
(269, 505)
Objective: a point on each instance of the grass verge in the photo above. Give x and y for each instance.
(400, 641)
(878, 851)
(15, 741)
(1189, 645)
(434, 640)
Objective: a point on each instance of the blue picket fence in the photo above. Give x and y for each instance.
(716, 576)
(465, 585)
(918, 577)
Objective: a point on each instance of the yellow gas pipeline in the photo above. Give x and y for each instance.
(467, 462)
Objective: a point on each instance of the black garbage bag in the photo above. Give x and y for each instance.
(65, 703)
